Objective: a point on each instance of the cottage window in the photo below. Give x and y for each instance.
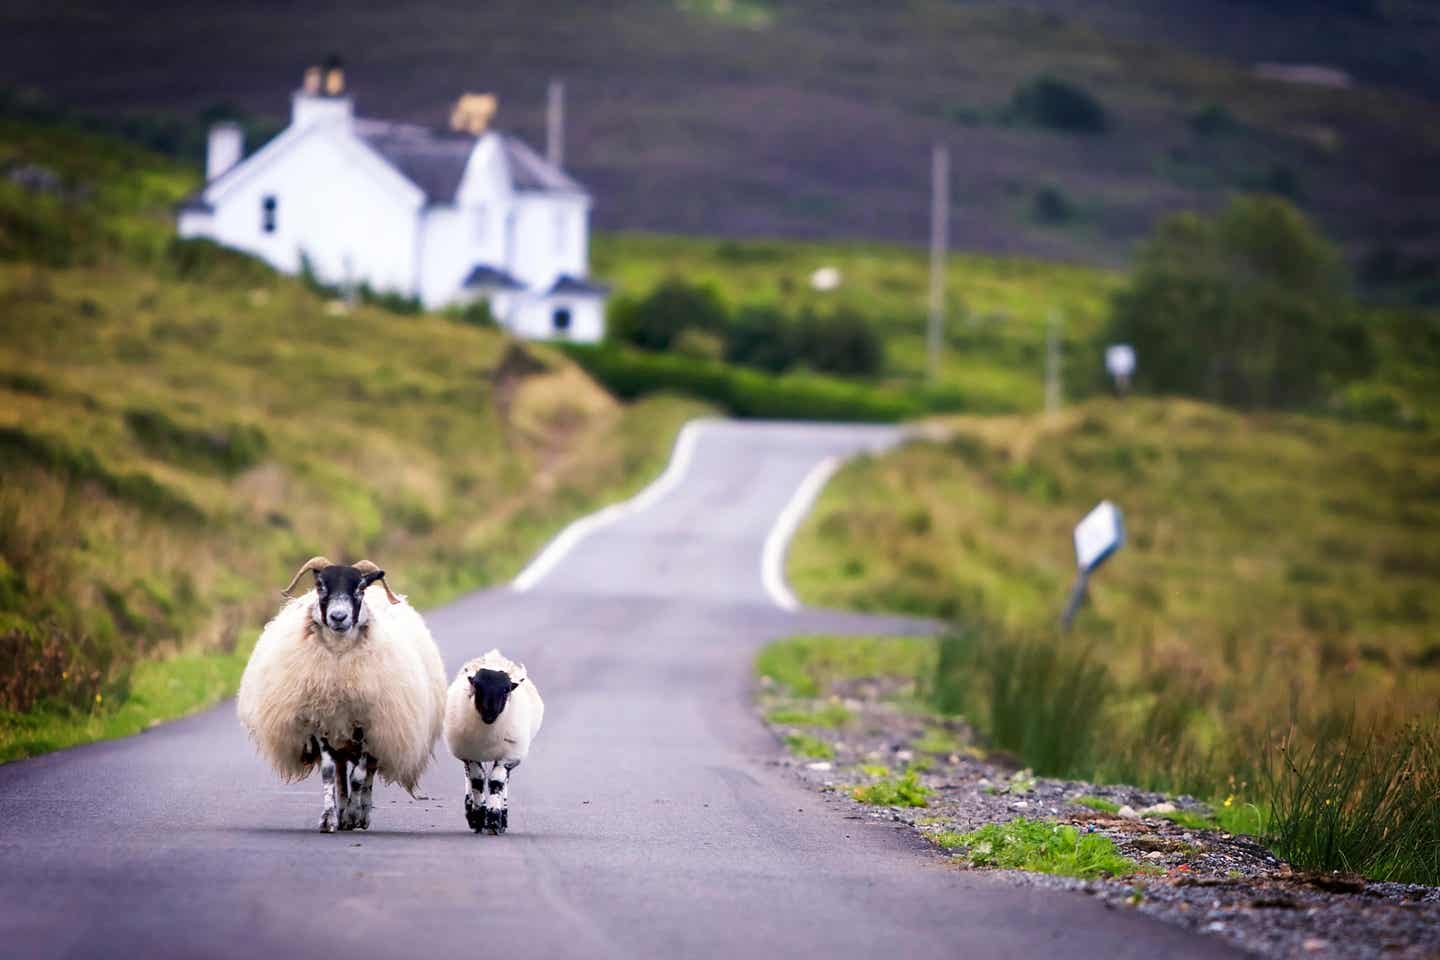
(267, 213)
(560, 320)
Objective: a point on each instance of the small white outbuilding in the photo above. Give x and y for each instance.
(446, 217)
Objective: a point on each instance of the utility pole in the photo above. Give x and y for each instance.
(1052, 363)
(939, 240)
(555, 124)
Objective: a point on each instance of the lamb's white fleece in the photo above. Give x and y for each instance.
(304, 681)
(508, 738)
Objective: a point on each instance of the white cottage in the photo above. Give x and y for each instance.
(447, 217)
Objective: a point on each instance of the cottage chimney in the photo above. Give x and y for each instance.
(225, 147)
(322, 97)
(472, 113)
(334, 76)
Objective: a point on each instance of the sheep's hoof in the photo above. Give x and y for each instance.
(474, 816)
(327, 822)
(496, 821)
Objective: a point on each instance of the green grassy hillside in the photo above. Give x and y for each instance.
(180, 428)
(1278, 568)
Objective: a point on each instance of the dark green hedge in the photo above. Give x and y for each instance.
(630, 373)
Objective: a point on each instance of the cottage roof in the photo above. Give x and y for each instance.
(577, 285)
(435, 161)
(483, 276)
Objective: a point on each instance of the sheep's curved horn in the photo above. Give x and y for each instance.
(366, 566)
(314, 563)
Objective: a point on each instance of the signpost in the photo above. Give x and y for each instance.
(1100, 534)
(1120, 362)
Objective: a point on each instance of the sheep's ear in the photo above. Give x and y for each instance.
(514, 684)
(369, 577)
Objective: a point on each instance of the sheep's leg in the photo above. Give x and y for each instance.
(475, 779)
(332, 778)
(356, 813)
(497, 802)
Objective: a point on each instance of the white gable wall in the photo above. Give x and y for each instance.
(332, 203)
(549, 234)
(473, 231)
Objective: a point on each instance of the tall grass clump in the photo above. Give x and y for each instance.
(1040, 700)
(1357, 800)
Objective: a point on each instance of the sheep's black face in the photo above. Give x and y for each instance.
(492, 690)
(340, 594)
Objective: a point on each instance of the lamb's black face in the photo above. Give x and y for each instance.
(491, 689)
(340, 591)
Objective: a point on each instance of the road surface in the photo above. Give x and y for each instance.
(649, 821)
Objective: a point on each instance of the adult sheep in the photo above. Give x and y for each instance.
(345, 675)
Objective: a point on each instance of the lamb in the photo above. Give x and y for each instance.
(492, 713)
(345, 675)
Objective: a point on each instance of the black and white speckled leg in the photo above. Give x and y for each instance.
(475, 778)
(356, 815)
(329, 785)
(498, 797)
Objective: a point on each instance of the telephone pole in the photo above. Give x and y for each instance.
(555, 124)
(939, 240)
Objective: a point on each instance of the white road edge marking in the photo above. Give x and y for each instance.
(772, 558)
(568, 538)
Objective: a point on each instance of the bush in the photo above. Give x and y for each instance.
(478, 314)
(761, 337)
(655, 322)
(1048, 101)
(199, 259)
(1249, 308)
(1050, 206)
(840, 342)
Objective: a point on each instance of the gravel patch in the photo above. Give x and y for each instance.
(1206, 880)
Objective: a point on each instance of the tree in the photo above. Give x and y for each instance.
(840, 342)
(1250, 308)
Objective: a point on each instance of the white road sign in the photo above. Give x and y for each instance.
(1120, 360)
(1100, 534)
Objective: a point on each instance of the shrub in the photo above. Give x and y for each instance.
(478, 314)
(1249, 308)
(200, 259)
(761, 337)
(655, 322)
(1048, 101)
(840, 342)
(1050, 206)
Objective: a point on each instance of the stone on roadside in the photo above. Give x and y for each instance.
(1127, 812)
(1158, 808)
(820, 766)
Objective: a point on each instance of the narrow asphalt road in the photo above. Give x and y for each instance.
(649, 820)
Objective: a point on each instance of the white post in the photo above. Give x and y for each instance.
(939, 240)
(1052, 363)
(555, 124)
